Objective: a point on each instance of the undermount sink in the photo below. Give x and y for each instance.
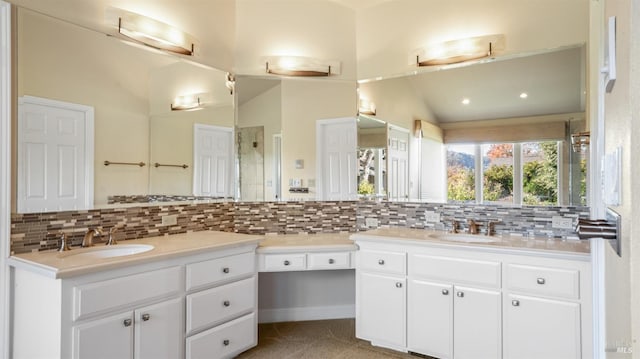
(467, 238)
(119, 250)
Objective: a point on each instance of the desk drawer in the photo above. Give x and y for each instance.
(555, 282)
(384, 262)
(284, 262)
(213, 306)
(220, 269)
(455, 270)
(333, 260)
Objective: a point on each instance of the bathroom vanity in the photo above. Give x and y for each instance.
(193, 295)
(488, 297)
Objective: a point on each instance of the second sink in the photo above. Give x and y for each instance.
(108, 251)
(467, 238)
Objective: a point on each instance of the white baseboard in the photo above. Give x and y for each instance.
(306, 313)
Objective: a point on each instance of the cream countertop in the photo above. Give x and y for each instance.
(512, 242)
(320, 242)
(65, 264)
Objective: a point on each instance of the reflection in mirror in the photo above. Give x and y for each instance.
(531, 103)
(372, 148)
(130, 89)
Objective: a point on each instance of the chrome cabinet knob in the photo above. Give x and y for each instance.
(515, 303)
(226, 342)
(226, 303)
(287, 263)
(225, 270)
(460, 294)
(146, 317)
(398, 285)
(540, 281)
(445, 292)
(126, 322)
(331, 261)
(381, 262)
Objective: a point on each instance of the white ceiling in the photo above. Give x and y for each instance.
(553, 81)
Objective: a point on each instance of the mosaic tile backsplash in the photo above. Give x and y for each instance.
(38, 231)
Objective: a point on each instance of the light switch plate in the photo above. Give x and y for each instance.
(560, 222)
(431, 216)
(371, 222)
(170, 220)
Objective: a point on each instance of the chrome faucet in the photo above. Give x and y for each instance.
(473, 226)
(454, 226)
(491, 228)
(88, 238)
(112, 240)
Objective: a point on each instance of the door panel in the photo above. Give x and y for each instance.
(430, 319)
(398, 164)
(107, 338)
(213, 159)
(159, 331)
(337, 154)
(477, 323)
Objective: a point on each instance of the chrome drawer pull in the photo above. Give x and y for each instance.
(541, 281)
(331, 261)
(287, 263)
(226, 342)
(146, 317)
(381, 262)
(398, 285)
(515, 303)
(460, 294)
(127, 322)
(445, 292)
(225, 270)
(226, 303)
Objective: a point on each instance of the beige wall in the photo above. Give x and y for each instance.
(388, 32)
(67, 63)
(303, 103)
(265, 110)
(318, 29)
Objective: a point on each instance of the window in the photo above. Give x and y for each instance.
(510, 173)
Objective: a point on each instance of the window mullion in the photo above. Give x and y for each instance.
(517, 174)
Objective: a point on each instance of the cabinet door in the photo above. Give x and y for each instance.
(381, 309)
(107, 338)
(159, 331)
(541, 328)
(430, 318)
(477, 323)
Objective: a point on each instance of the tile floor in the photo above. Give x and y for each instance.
(321, 339)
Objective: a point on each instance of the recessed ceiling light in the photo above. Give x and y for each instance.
(524, 95)
(466, 101)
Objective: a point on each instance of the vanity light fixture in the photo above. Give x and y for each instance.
(466, 101)
(301, 66)
(524, 95)
(580, 141)
(460, 50)
(230, 83)
(186, 103)
(366, 107)
(154, 33)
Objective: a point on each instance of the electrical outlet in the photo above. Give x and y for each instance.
(560, 222)
(170, 220)
(371, 222)
(431, 216)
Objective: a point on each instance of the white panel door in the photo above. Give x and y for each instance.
(55, 155)
(398, 163)
(213, 161)
(107, 338)
(477, 324)
(430, 318)
(337, 154)
(159, 331)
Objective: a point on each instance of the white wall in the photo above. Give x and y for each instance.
(318, 29)
(303, 103)
(264, 110)
(388, 32)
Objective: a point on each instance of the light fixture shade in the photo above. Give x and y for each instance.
(460, 50)
(301, 66)
(186, 102)
(367, 107)
(580, 141)
(154, 33)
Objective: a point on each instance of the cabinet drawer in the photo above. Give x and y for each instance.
(220, 269)
(119, 292)
(213, 306)
(224, 341)
(385, 262)
(456, 270)
(555, 282)
(284, 262)
(334, 260)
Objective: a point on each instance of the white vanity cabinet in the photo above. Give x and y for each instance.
(154, 309)
(465, 301)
